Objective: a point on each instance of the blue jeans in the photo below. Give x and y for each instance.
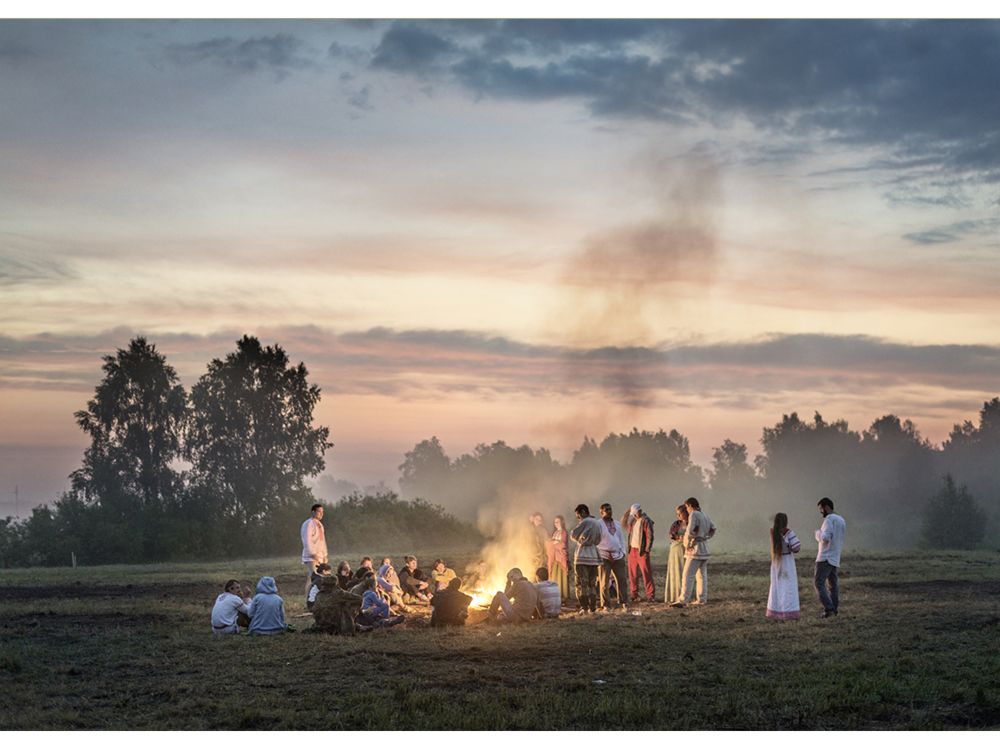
(826, 574)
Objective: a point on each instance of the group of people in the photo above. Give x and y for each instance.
(610, 559)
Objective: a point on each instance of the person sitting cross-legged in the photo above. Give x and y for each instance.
(518, 600)
(231, 610)
(413, 581)
(267, 610)
(450, 605)
(441, 574)
(375, 610)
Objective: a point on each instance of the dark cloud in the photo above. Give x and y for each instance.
(280, 54)
(407, 48)
(923, 89)
(14, 52)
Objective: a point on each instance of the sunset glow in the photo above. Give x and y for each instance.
(528, 231)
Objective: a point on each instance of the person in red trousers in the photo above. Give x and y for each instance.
(639, 533)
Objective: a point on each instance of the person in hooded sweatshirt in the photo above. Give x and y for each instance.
(267, 610)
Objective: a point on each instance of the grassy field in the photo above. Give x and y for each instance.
(915, 647)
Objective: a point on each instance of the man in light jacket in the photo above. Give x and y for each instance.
(313, 543)
(699, 530)
(831, 542)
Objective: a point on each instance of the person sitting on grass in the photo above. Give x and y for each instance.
(549, 597)
(517, 602)
(345, 578)
(323, 570)
(450, 605)
(414, 581)
(267, 610)
(440, 576)
(374, 610)
(363, 567)
(231, 611)
(388, 585)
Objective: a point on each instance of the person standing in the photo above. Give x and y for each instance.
(313, 543)
(640, 549)
(699, 530)
(586, 559)
(559, 556)
(675, 556)
(831, 542)
(613, 562)
(783, 596)
(539, 541)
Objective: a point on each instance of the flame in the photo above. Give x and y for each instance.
(512, 546)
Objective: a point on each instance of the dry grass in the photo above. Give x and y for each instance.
(915, 646)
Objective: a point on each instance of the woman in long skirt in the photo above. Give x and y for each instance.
(783, 598)
(675, 556)
(559, 557)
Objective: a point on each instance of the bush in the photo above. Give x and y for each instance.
(953, 519)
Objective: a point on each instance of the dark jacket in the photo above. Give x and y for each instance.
(646, 541)
(450, 607)
(408, 586)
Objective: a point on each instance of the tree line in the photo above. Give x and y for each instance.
(895, 487)
(218, 472)
(221, 472)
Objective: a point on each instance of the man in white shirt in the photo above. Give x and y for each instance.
(613, 561)
(313, 543)
(831, 542)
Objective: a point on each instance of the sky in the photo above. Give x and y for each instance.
(521, 230)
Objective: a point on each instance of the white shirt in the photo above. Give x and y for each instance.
(224, 613)
(313, 541)
(831, 539)
(612, 546)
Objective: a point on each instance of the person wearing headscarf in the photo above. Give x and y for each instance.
(639, 538)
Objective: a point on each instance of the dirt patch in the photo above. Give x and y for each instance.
(937, 587)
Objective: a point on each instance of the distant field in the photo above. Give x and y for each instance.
(129, 647)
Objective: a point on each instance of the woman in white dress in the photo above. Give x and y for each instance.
(783, 598)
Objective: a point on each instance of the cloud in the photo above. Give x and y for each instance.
(954, 232)
(279, 53)
(18, 268)
(921, 89)
(438, 364)
(409, 48)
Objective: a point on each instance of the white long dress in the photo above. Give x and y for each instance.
(783, 598)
